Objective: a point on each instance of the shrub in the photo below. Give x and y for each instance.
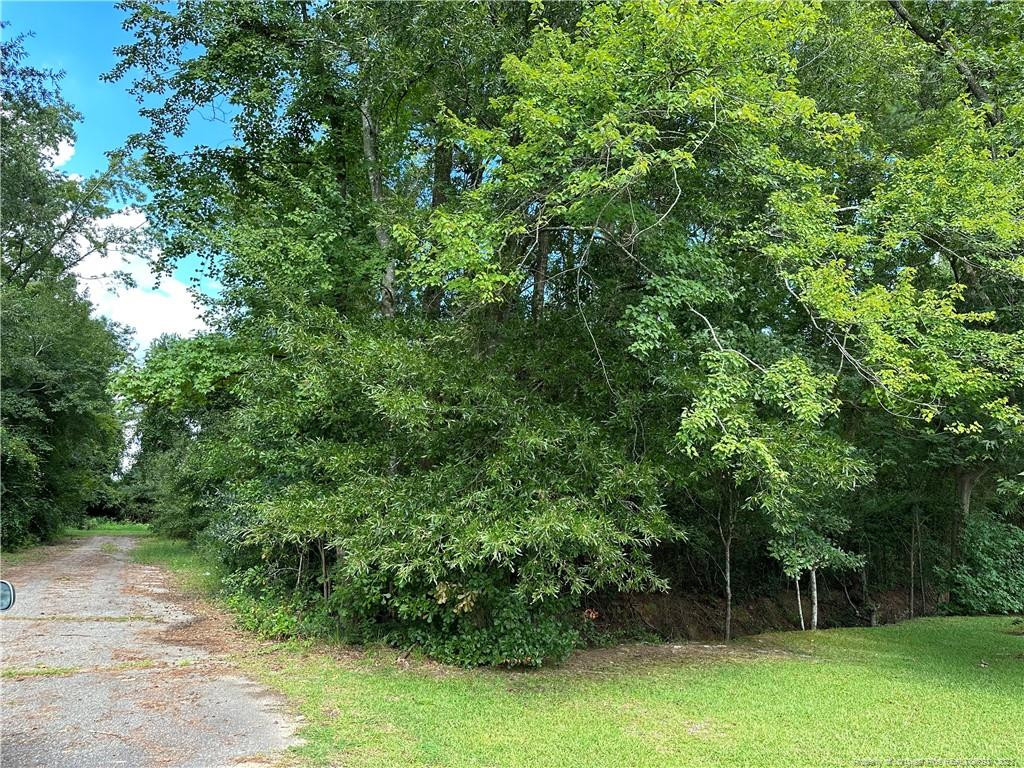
(991, 577)
(266, 608)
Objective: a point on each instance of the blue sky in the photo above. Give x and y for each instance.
(79, 38)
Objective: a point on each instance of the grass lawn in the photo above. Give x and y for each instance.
(936, 691)
(109, 528)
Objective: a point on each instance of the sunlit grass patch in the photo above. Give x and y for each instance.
(108, 528)
(932, 689)
(198, 571)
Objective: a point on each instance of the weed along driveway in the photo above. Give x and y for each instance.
(107, 663)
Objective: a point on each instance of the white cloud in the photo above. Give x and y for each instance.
(64, 151)
(148, 308)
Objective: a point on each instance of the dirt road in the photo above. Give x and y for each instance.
(107, 663)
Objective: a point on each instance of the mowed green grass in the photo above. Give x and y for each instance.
(936, 689)
(110, 528)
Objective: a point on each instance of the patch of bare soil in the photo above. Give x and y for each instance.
(699, 616)
(206, 628)
(45, 562)
(127, 655)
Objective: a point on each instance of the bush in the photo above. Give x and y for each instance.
(263, 607)
(481, 621)
(991, 577)
(513, 634)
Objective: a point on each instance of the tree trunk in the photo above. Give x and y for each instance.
(728, 588)
(323, 569)
(965, 482)
(814, 598)
(920, 566)
(387, 283)
(799, 603)
(864, 595)
(567, 282)
(912, 535)
(725, 532)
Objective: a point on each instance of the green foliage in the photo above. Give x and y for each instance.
(52, 220)
(261, 606)
(60, 430)
(523, 304)
(991, 577)
(182, 383)
(61, 434)
(501, 506)
(513, 634)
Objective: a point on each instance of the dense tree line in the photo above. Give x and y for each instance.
(528, 305)
(62, 435)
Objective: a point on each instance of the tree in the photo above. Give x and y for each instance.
(515, 304)
(61, 432)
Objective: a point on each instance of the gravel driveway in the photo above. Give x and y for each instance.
(106, 663)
